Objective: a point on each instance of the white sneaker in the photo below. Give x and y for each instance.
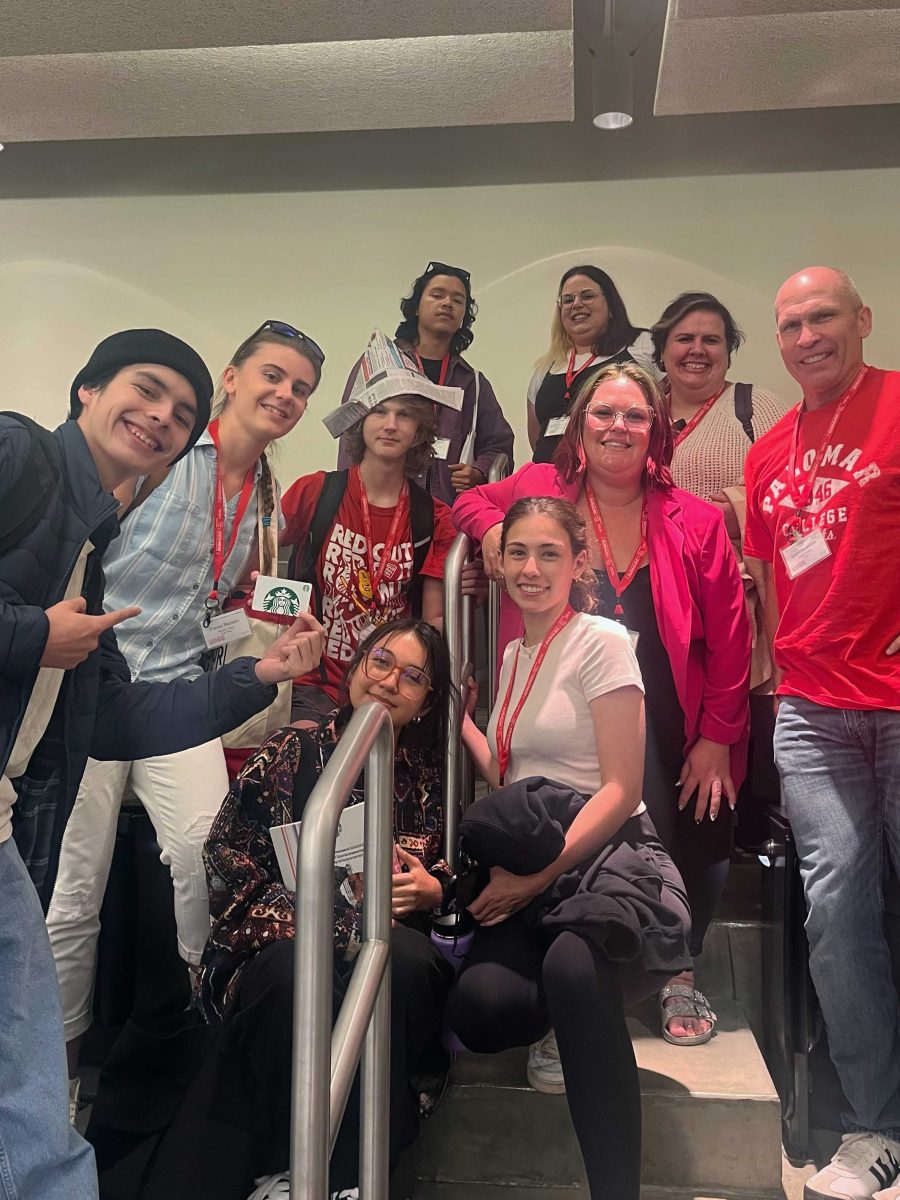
(891, 1193)
(864, 1162)
(272, 1187)
(348, 1194)
(544, 1069)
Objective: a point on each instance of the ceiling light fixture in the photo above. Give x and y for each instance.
(613, 90)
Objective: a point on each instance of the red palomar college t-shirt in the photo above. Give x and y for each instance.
(344, 554)
(839, 616)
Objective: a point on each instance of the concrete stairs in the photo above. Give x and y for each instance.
(711, 1116)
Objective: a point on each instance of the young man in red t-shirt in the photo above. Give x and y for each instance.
(822, 537)
(363, 571)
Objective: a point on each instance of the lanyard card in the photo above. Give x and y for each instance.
(557, 426)
(804, 553)
(284, 597)
(224, 628)
(440, 447)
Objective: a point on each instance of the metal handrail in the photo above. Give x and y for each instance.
(324, 1068)
(459, 632)
(499, 470)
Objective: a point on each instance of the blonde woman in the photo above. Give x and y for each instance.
(590, 328)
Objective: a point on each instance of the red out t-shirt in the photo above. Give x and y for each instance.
(839, 616)
(344, 554)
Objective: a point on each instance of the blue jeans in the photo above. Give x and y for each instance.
(41, 1155)
(840, 771)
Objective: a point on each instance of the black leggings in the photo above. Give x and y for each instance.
(234, 1124)
(515, 987)
(702, 853)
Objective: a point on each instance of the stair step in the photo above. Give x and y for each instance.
(711, 1123)
(489, 1191)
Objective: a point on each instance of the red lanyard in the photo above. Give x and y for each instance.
(619, 584)
(388, 569)
(504, 734)
(800, 497)
(445, 367)
(220, 553)
(571, 372)
(698, 417)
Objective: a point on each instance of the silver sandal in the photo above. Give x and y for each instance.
(689, 1002)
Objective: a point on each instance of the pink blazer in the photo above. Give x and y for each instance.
(698, 596)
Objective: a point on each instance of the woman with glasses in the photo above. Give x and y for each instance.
(570, 709)
(190, 539)
(590, 328)
(234, 1123)
(667, 572)
(438, 316)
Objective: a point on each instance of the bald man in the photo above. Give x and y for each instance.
(823, 543)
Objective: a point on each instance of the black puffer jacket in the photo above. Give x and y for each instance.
(100, 712)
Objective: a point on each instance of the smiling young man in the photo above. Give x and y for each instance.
(372, 560)
(436, 328)
(823, 524)
(138, 405)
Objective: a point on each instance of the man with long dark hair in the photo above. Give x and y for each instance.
(438, 315)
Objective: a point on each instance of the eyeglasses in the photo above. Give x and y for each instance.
(604, 416)
(438, 268)
(288, 331)
(586, 295)
(380, 663)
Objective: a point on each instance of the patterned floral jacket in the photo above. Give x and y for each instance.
(249, 905)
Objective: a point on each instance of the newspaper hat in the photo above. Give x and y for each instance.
(385, 372)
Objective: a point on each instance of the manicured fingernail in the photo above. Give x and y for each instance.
(713, 815)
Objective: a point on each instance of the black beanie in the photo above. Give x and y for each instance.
(148, 346)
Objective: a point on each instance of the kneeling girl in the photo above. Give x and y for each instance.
(570, 708)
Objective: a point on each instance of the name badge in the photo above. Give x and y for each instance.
(557, 426)
(804, 553)
(285, 597)
(441, 448)
(224, 628)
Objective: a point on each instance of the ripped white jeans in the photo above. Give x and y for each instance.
(182, 794)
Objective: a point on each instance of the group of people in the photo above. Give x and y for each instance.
(684, 554)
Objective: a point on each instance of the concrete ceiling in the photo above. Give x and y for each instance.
(743, 55)
(100, 98)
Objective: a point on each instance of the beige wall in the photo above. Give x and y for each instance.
(211, 268)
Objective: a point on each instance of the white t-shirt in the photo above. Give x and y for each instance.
(641, 350)
(711, 457)
(554, 734)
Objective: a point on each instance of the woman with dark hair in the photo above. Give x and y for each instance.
(189, 536)
(569, 711)
(667, 572)
(716, 421)
(436, 328)
(234, 1123)
(590, 328)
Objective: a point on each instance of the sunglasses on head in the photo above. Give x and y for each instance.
(288, 331)
(438, 268)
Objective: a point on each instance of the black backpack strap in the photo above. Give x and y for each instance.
(39, 478)
(302, 566)
(421, 523)
(743, 407)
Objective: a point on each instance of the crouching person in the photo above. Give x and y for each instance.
(65, 693)
(233, 1127)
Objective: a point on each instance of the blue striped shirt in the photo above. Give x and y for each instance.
(162, 562)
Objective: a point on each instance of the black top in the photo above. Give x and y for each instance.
(551, 402)
(665, 719)
(432, 368)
